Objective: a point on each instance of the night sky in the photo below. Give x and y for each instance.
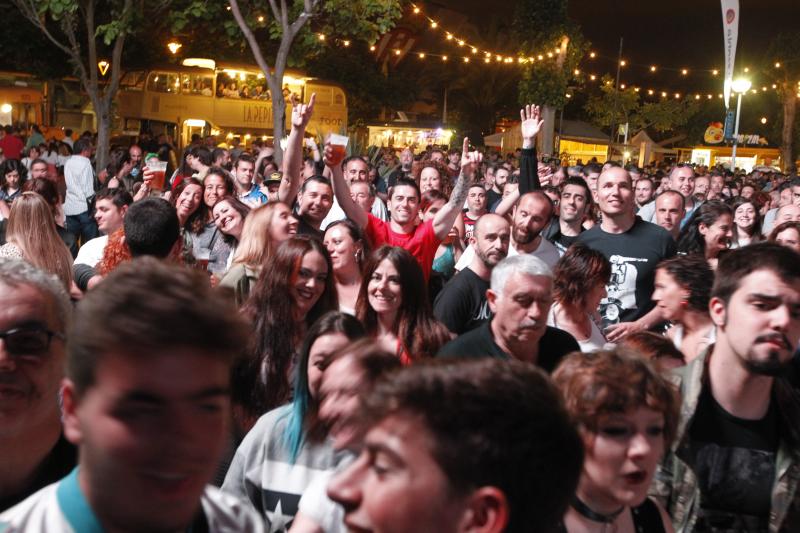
(670, 33)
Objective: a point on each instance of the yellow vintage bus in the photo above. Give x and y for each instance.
(225, 100)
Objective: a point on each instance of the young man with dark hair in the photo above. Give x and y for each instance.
(404, 229)
(79, 177)
(111, 206)
(575, 201)
(734, 464)
(146, 400)
(246, 190)
(151, 228)
(497, 454)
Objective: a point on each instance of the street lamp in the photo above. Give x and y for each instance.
(740, 86)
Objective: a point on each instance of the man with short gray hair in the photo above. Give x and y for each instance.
(520, 296)
(34, 315)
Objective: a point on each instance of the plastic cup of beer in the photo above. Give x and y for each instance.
(202, 257)
(338, 144)
(159, 169)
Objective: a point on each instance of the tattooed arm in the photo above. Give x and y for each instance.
(446, 217)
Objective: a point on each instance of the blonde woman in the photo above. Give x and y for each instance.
(265, 227)
(31, 235)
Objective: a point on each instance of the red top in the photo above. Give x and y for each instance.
(421, 243)
(12, 146)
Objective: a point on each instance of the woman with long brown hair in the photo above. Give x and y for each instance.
(394, 307)
(31, 235)
(295, 288)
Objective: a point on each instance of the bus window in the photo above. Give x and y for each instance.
(163, 82)
(133, 81)
(196, 84)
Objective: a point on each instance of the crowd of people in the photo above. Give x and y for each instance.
(447, 340)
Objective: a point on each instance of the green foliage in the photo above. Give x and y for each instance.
(363, 20)
(541, 26)
(611, 107)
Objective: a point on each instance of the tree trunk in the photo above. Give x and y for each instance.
(787, 134)
(278, 114)
(547, 137)
(103, 113)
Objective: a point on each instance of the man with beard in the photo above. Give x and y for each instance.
(734, 464)
(461, 305)
(519, 297)
(644, 192)
(530, 216)
(495, 194)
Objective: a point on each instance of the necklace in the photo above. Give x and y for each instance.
(585, 511)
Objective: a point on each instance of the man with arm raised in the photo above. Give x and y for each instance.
(404, 229)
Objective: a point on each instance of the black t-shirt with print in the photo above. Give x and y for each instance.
(461, 305)
(734, 461)
(634, 256)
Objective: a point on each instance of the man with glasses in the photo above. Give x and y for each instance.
(34, 315)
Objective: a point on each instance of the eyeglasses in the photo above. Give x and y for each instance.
(29, 340)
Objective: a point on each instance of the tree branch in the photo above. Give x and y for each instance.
(251, 39)
(28, 11)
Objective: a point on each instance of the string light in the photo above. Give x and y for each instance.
(346, 43)
(777, 64)
(450, 36)
(652, 68)
(592, 55)
(623, 63)
(684, 71)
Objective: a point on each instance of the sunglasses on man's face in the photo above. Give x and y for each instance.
(28, 340)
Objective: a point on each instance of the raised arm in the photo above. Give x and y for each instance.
(293, 156)
(447, 215)
(532, 122)
(342, 192)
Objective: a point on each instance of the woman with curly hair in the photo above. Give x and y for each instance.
(627, 416)
(682, 292)
(579, 283)
(432, 175)
(394, 307)
(295, 288)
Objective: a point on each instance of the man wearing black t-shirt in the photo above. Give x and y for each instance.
(33, 319)
(734, 465)
(461, 305)
(520, 297)
(634, 248)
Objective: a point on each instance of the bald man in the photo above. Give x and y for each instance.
(461, 305)
(634, 248)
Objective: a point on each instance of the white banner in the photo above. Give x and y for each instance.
(730, 34)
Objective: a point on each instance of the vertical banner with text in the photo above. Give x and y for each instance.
(730, 34)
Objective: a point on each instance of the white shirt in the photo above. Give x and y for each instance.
(62, 508)
(92, 252)
(337, 213)
(79, 176)
(546, 251)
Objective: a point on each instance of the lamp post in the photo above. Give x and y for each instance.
(739, 86)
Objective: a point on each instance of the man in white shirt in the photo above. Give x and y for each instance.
(110, 208)
(530, 216)
(79, 176)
